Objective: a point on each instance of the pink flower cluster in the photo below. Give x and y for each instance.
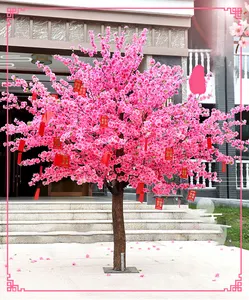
(138, 113)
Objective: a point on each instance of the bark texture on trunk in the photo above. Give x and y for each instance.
(118, 230)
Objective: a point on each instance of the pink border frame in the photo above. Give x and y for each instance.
(11, 286)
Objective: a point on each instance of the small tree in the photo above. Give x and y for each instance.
(121, 129)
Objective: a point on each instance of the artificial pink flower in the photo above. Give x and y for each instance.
(243, 42)
(236, 29)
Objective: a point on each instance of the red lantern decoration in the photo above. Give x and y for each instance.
(184, 173)
(103, 121)
(82, 91)
(159, 203)
(37, 194)
(77, 85)
(223, 167)
(191, 196)
(19, 158)
(57, 143)
(209, 143)
(34, 96)
(169, 152)
(141, 198)
(105, 158)
(21, 145)
(41, 129)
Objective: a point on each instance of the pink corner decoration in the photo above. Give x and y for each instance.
(197, 82)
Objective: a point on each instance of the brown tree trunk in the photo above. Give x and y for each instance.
(118, 230)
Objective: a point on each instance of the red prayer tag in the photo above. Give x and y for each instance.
(146, 144)
(159, 203)
(58, 160)
(140, 188)
(47, 116)
(34, 96)
(77, 85)
(209, 143)
(169, 153)
(41, 128)
(21, 145)
(65, 161)
(82, 91)
(191, 196)
(41, 170)
(184, 173)
(19, 158)
(37, 194)
(103, 121)
(224, 167)
(141, 198)
(57, 143)
(105, 158)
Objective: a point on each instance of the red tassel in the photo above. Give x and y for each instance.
(34, 96)
(141, 198)
(103, 121)
(105, 159)
(209, 143)
(19, 158)
(37, 194)
(224, 167)
(191, 196)
(41, 128)
(21, 145)
(77, 85)
(169, 152)
(159, 203)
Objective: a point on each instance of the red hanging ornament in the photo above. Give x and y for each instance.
(159, 203)
(21, 145)
(169, 152)
(82, 91)
(65, 161)
(184, 173)
(223, 167)
(57, 143)
(41, 129)
(58, 160)
(209, 142)
(140, 188)
(103, 121)
(146, 144)
(191, 196)
(19, 158)
(41, 170)
(34, 96)
(47, 116)
(105, 158)
(37, 194)
(141, 197)
(56, 96)
(77, 85)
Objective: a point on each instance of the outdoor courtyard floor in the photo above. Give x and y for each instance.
(163, 266)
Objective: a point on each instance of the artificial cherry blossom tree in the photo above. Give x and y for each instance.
(116, 127)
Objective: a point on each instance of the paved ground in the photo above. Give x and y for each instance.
(163, 265)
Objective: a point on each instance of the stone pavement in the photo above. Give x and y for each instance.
(164, 266)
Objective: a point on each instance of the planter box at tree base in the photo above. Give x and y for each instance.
(109, 270)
